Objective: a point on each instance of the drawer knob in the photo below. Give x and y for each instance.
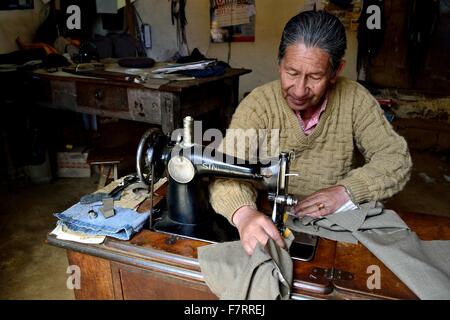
(99, 95)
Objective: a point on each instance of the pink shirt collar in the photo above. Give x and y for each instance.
(309, 125)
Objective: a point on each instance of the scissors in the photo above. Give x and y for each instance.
(123, 185)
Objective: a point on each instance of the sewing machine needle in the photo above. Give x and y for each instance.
(274, 212)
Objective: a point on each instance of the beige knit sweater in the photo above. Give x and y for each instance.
(352, 120)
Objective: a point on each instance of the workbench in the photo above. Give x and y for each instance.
(158, 101)
(154, 265)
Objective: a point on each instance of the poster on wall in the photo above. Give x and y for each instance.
(233, 20)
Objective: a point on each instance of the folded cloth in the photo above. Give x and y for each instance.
(233, 275)
(423, 266)
(122, 225)
(215, 71)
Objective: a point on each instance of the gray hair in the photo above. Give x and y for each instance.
(316, 29)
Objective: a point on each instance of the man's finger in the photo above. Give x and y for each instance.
(317, 201)
(248, 249)
(318, 198)
(273, 233)
(249, 245)
(310, 210)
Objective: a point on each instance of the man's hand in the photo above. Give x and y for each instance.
(254, 227)
(323, 202)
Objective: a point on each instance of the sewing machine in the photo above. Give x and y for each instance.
(187, 210)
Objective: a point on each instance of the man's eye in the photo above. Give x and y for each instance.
(316, 78)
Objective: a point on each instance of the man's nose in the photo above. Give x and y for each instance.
(300, 87)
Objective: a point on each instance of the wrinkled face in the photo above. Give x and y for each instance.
(305, 75)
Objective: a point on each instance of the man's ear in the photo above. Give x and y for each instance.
(338, 71)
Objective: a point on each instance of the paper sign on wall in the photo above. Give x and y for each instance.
(232, 14)
(233, 20)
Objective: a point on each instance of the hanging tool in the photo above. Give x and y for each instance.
(178, 15)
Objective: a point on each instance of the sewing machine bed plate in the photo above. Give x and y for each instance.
(219, 230)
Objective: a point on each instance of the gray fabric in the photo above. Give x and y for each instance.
(341, 226)
(233, 275)
(424, 266)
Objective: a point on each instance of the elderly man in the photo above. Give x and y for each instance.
(324, 119)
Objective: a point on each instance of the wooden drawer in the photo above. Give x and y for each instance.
(102, 97)
(145, 105)
(139, 284)
(64, 95)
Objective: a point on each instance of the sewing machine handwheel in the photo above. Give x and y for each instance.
(150, 153)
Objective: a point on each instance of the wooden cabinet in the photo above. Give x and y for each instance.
(165, 104)
(414, 53)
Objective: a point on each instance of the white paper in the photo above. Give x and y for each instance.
(122, 3)
(232, 14)
(251, 9)
(171, 68)
(349, 205)
(63, 233)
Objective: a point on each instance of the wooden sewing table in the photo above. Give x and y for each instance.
(153, 265)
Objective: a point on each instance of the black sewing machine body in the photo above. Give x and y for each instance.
(189, 167)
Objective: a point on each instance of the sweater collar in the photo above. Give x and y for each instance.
(292, 124)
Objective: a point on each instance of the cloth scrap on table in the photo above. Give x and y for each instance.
(122, 225)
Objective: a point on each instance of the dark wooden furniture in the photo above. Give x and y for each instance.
(153, 265)
(423, 65)
(158, 102)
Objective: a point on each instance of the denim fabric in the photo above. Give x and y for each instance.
(122, 225)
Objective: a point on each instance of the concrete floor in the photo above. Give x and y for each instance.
(428, 190)
(31, 269)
